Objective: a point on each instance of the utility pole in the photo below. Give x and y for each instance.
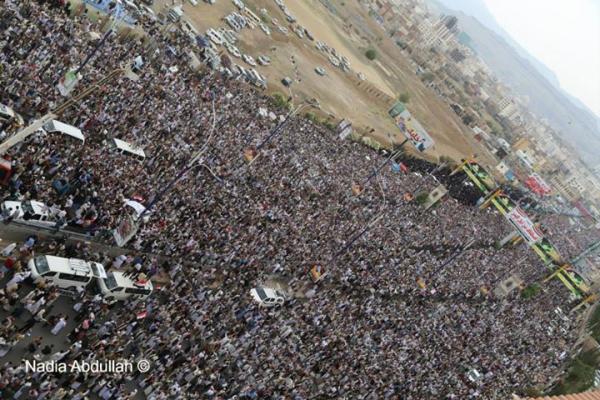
(383, 164)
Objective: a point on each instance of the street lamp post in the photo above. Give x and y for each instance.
(384, 163)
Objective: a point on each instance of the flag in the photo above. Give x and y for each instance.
(249, 154)
(68, 82)
(317, 272)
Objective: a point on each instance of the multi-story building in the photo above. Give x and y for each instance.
(438, 33)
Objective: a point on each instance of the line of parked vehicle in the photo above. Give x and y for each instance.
(227, 37)
(72, 276)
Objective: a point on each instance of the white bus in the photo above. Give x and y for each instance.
(69, 274)
(128, 149)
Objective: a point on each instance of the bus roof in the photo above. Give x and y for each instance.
(38, 207)
(75, 266)
(69, 130)
(127, 147)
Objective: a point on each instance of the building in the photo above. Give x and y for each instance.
(567, 187)
(589, 395)
(439, 33)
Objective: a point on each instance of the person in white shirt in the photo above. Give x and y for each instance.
(62, 322)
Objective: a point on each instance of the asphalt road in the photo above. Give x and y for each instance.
(62, 305)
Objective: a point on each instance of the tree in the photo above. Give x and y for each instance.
(404, 97)
(280, 101)
(371, 54)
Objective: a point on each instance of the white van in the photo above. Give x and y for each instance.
(65, 273)
(30, 211)
(116, 287)
(128, 149)
(267, 297)
(65, 129)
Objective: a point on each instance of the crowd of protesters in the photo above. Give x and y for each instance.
(407, 309)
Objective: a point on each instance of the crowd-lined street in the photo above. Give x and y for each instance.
(366, 331)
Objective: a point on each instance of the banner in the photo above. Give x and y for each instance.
(344, 129)
(68, 82)
(115, 9)
(412, 129)
(126, 230)
(525, 226)
(537, 185)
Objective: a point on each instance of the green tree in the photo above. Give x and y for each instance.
(404, 97)
(371, 54)
(280, 101)
(530, 291)
(422, 198)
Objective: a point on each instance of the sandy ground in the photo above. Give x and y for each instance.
(350, 32)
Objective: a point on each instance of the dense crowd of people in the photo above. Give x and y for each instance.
(368, 330)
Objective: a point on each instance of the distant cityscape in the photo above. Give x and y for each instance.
(521, 142)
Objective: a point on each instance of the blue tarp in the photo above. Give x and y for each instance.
(118, 11)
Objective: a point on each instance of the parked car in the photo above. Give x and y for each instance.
(282, 29)
(257, 79)
(267, 297)
(68, 274)
(320, 71)
(249, 60)
(193, 2)
(233, 23)
(239, 4)
(233, 50)
(115, 286)
(265, 29)
(29, 211)
(299, 32)
(263, 60)
(334, 61)
(228, 35)
(188, 29)
(214, 36)
(308, 35)
(287, 82)
(148, 12)
(175, 14)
